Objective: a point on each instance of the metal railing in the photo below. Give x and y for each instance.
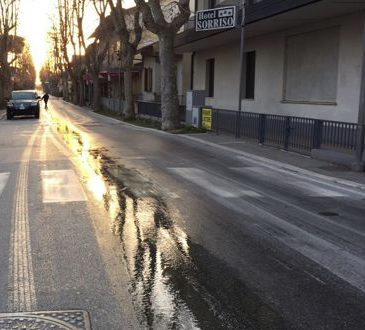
(112, 104)
(153, 110)
(287, 132)
(339, 135)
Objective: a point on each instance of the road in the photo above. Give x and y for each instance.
(148, 230)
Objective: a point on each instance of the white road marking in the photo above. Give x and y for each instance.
(3, 180)
(342, 263)
(61, 186)
(280, 166)
(21, 296)
(216, 185)
(315, 277)
(312, 190)
(303, 187)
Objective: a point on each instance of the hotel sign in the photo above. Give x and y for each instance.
(215, 19)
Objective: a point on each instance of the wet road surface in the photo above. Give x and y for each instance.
(146, 230)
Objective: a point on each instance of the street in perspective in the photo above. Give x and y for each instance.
(182, 165)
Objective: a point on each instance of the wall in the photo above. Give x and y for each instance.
(269, 76)
(151, 62)
(183, 74)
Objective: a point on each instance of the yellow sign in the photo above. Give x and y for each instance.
(207, 116)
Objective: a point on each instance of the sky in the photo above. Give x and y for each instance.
(35, 21)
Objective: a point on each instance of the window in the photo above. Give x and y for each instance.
(207, 4)
(249, 85)
(209, 78)
(211, 3)
(311, 66)
(148, 80)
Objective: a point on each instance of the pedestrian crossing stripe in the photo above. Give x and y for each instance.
(3, 180)
(298, 186)
(61, 186)
(211, 182)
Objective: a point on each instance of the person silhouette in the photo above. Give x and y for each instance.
(45, 98)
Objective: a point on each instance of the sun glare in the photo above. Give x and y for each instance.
(35, 21)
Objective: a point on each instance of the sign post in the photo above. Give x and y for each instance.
(242, 54)
(215, 19)
(359, 164)
(207, 118)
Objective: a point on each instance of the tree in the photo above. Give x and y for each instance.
(97, 50)
(10, 46)
(51, 75)
(166, 25)
(24, 69)
(54, 69)
(127, 26)
(79, 13)
(70, 17)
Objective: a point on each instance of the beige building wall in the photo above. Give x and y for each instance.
(151, 62)
(270, 73)
(183, 69)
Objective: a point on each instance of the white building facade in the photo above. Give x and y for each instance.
(303, 61)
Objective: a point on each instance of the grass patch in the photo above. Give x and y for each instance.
(109, 114)
(150, 123)
(144, 122)
(187, 129)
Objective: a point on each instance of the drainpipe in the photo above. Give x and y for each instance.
(359, 164)
(242, 49)
(192, 71)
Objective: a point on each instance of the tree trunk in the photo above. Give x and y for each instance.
(5, 82)
(169, 99)
(81, 92)
(96, 92)
(65, 87)
(75, 91)
(2, 95)
(128, 94)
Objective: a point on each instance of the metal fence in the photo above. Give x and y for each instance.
(112, 104)
(153, 110)
(286, 132)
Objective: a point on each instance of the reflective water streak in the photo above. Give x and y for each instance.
(175, 283)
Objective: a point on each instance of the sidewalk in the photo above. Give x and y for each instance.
(286, 159)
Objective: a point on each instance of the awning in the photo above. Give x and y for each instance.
(110, 74)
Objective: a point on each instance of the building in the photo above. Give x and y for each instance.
(302, 58)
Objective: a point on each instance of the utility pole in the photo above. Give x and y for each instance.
(242, 58)
(359, 164)
(119, 54)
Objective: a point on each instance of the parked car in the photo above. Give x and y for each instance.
(22, 103)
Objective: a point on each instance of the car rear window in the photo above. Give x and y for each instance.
(23, 96)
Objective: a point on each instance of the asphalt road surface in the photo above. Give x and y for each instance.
(148, 230)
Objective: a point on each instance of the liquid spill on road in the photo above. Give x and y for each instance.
(175, 283)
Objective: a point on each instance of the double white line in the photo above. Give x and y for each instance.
(21, 279)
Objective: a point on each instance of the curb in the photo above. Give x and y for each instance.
(262, 161)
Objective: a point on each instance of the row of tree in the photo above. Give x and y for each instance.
(127, 26)
(17, 70)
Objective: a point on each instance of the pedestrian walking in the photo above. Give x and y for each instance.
(45, 98)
